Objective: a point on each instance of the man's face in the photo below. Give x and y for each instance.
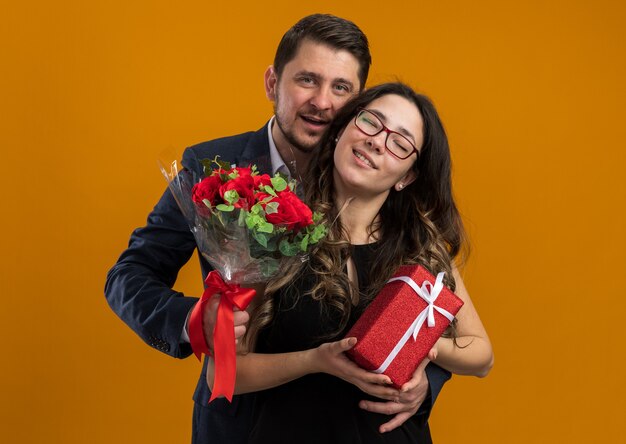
(311, 89)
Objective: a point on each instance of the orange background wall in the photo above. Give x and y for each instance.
(532, 95)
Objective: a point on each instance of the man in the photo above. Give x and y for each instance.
(321, 62)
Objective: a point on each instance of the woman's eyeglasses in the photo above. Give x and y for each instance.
(398, 145)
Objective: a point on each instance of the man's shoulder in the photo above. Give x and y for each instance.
(247, 148)
(223, 143)
(230, 145)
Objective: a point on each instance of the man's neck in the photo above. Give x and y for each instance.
(296, 160)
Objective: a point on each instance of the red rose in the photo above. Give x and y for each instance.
(260, 195)
(244, 186)
(243, 171)
(207, 189)
(292, 212)
(262, 180)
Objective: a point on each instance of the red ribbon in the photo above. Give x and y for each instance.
(232, 295)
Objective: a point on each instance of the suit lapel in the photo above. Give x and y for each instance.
(257, 152)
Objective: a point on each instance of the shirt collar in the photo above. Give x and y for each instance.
(278, 164)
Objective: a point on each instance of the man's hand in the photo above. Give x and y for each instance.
(412, 394)
(209, 318)
(241, 319)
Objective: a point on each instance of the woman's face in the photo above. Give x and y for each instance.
(363, 166)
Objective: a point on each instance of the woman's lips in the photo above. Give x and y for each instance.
(364, 158)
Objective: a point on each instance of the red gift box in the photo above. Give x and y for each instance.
(403, 322)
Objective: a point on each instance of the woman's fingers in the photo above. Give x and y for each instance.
(418, 378)
(432, 354)
(370, 377)
(338, 364)
(343, 345)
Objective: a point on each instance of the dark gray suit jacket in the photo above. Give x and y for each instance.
(139, 289)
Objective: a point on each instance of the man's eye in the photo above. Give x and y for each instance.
(342, 88)
(306, 80)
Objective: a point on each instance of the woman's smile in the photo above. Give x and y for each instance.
(364, 159)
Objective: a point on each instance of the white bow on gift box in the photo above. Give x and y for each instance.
(429, 293)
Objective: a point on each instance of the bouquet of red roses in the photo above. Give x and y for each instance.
(246, 225)
(247, 222)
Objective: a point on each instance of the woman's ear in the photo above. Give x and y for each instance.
(336, 139)
(407, 180)
(270, 80)
(339, 135)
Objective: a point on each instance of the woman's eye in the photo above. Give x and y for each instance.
(403, 145)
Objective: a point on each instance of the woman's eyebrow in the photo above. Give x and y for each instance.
(402, 130)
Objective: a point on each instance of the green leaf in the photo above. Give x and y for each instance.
(223, 164)
(272, 244)
(266, 227)
(260, 238)
(209, 165)
(304, 244)
(250, 222)
(284, 176)
(256, 220)
(319, 232)
(292, 185)
(269, 190)
(226, 208)
(271, 208)
(207, 202)
(242, 218)
(279, 183)
(287, 248)
(231, 196)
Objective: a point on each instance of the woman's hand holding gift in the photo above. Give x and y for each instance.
(330, 358)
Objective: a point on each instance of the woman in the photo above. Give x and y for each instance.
(382, 179)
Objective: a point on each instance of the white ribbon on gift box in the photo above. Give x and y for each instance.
(429, 293)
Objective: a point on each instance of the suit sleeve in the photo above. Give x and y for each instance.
(139, 286)
(437, 377)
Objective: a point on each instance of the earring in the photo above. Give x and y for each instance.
(336, 140)
(399, 186)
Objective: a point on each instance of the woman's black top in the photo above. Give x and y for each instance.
(319, 408)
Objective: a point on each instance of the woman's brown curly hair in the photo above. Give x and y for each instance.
(418, 225)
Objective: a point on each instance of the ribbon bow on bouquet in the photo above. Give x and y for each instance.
(232, 295)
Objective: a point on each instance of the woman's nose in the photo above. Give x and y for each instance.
(377, 142)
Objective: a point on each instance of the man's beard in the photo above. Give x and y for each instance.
(290, 137)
